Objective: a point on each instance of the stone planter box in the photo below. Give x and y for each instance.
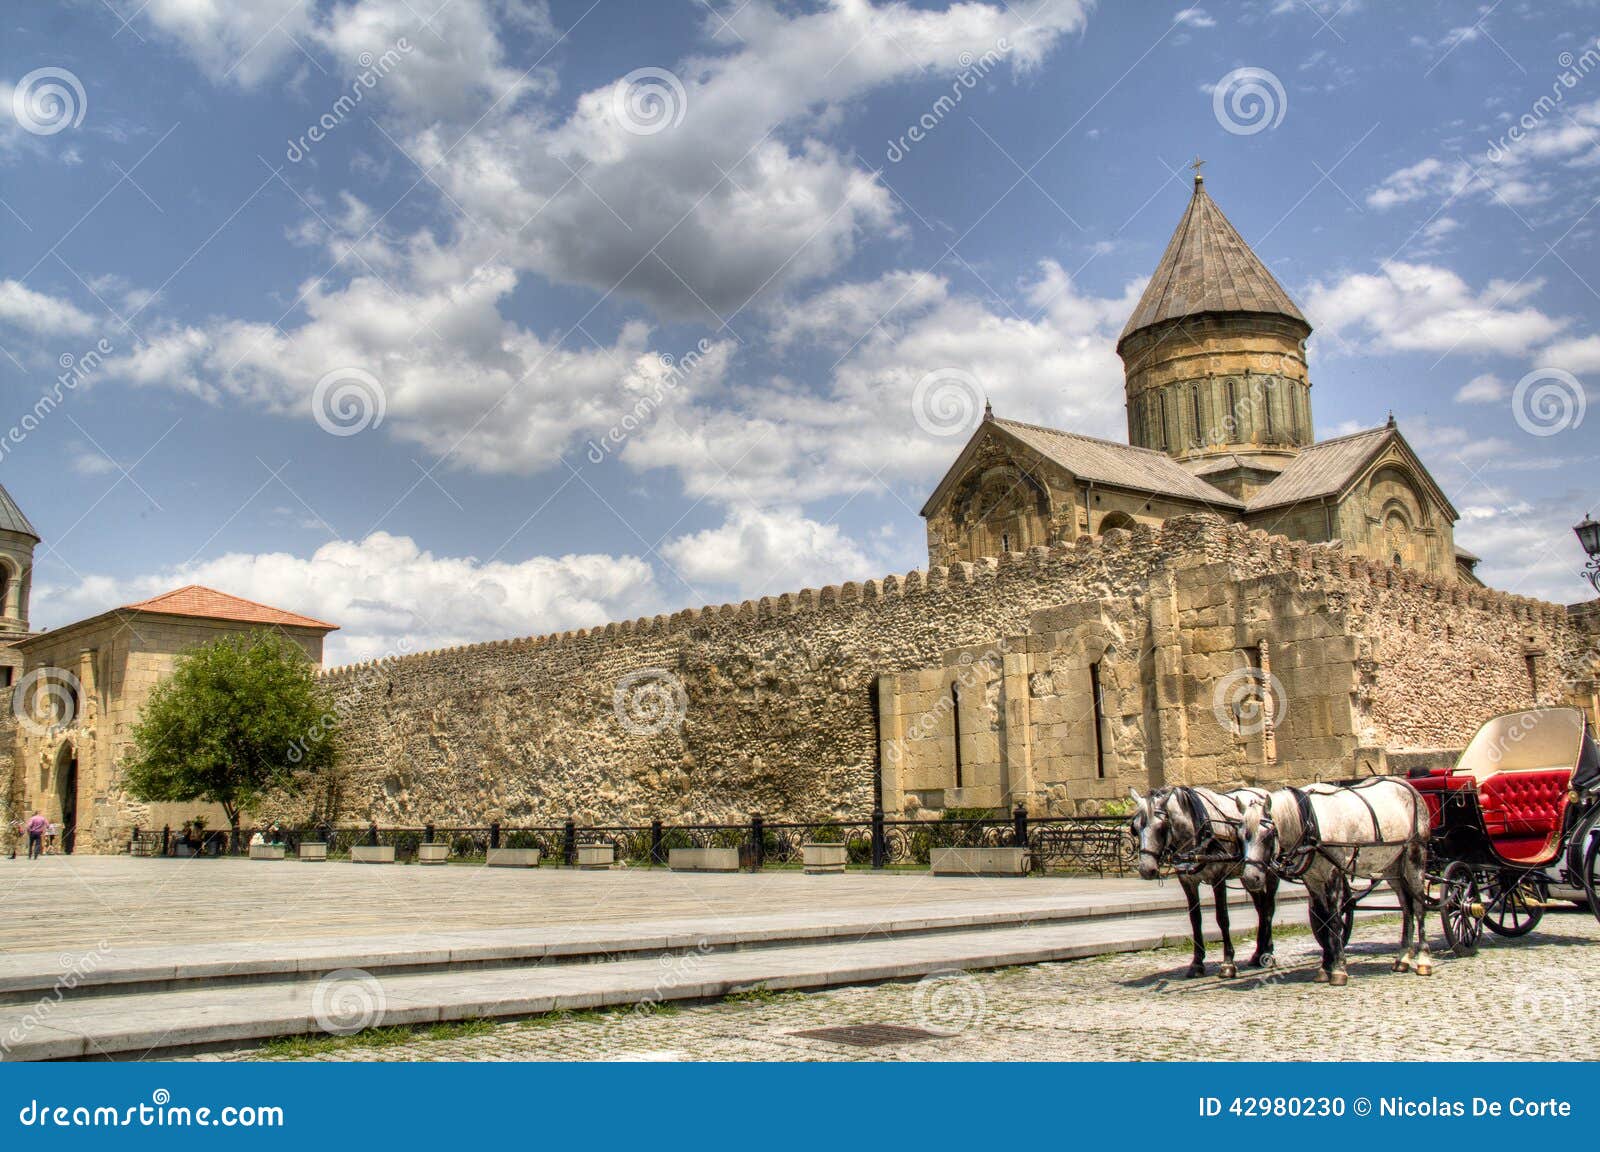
(703, 859)
(597, 855)
(979, 862)
(372, 854)
(313, 851)
(513, 858)
(824, 858)
(433, 853)
(266, 851)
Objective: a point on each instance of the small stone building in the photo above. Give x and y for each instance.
(1219, 420)
(81, 689)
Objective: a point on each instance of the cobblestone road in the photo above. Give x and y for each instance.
(1520, 999)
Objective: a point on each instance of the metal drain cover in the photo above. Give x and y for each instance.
(870, 1035)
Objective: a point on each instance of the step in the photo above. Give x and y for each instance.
(140, 1026)
(25, 977)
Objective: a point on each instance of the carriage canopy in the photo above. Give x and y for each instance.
(1535, 740)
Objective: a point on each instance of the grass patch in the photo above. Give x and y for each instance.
(761, 994)
(302, 1047)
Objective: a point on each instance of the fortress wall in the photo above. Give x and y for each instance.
(777, 693)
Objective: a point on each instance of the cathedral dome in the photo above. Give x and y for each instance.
(1214, 353)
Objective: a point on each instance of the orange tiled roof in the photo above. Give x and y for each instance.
(197, 600)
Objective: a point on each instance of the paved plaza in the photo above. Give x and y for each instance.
(1528, 999)
(78, 902)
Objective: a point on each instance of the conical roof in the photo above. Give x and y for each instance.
(1208, 267)
(11, 517)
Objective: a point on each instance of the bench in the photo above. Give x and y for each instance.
(1523, 812)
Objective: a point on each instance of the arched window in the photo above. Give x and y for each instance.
(1166, 431)
(6, 587)
(1199, 437)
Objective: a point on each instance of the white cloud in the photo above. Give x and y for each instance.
(456, 377)
(1580, 354)
(1425, 307)
(1434, 179)
(780, 443)
(768, 551)
(41, 314)
(1194, 17)
(390, 596)
(1485, 389)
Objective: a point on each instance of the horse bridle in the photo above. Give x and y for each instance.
(1201, 817)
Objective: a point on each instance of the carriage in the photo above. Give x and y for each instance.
(1513, 822)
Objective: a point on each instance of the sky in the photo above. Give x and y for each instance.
(454, 320)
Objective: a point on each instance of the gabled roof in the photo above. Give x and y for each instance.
(198, 600)
(1228, 462)
(1327, 468)
(11, 517)
(1208, 267)
(1104, 462)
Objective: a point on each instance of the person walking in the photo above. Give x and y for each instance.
(37, 827)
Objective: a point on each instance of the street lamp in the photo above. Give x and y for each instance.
(1589, 536)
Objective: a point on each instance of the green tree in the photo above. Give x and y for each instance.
(238, 718)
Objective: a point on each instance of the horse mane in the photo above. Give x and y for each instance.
(1285, 810)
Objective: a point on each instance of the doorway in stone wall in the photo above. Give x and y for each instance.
(67, 793)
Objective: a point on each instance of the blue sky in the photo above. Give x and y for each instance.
(379, 372)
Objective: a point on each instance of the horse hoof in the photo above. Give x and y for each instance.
(1338, 979)
(1402, 965)
(1424, 969)
(1228, 971)
(1195, 970)
(1266, 961)
(1321, 977)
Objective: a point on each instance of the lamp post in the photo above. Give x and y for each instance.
(1589, 536)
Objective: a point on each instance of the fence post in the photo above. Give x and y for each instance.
(494, 834)
(166, 838)
(427, 833)
(569, 843)
(1019, 826)
(657, 854)
(757, 845)
(880, 847)
(372, 833)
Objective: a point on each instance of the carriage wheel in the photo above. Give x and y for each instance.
(1591, 874)
(1460, 908)
(1509, 906)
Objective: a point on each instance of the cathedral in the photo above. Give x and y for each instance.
(1219, 420)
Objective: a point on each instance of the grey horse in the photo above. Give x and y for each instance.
(1197, 833)
(1326, 835)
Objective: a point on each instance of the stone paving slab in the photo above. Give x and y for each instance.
(138, 1025)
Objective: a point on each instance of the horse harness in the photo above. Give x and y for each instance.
(1295, 863)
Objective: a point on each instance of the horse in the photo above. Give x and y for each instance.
(1196, 832)
(1326, 835)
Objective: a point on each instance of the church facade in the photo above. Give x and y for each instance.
(1219, 420)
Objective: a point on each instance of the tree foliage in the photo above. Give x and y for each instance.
(238, 718)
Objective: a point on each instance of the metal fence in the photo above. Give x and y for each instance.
(1085, 844)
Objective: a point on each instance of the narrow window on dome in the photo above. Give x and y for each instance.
(1233, 411)
(1266, 405)
(1166, 435)
(1199, 428)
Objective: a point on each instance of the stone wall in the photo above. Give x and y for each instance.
(780, 708)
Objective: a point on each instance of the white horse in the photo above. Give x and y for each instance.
(1197, 834)
(1326, 835)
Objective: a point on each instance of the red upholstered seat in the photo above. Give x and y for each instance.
(1523, 811)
